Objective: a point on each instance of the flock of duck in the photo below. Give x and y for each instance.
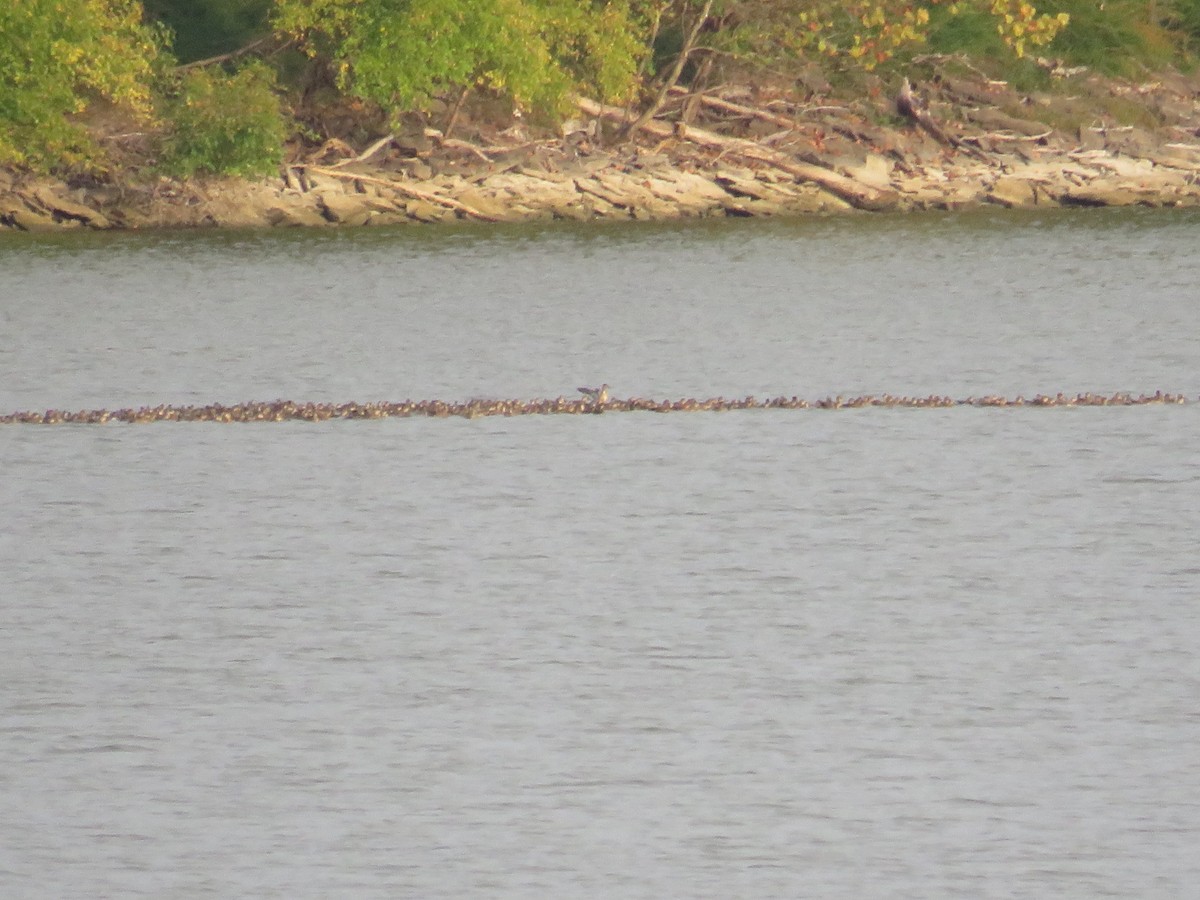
(593, 401)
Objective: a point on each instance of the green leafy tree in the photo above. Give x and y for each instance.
(58, 56)
(403, 53)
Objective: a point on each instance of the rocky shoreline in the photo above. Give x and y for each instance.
(740, 152)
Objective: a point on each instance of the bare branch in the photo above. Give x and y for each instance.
(233, 54)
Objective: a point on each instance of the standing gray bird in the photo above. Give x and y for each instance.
(596, 395)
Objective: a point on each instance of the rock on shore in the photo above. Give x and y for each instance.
(741, 156)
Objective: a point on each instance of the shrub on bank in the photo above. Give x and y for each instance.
(225, 123)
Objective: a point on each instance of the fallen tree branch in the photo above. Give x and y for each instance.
(909, 106)
(749, 111)
(481, 153)
(368, 153)
(1000, 136)
(853, 192)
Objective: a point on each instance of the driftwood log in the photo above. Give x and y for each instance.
(853, 192)
(738, 109)
(911, 107)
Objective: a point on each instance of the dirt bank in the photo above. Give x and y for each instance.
(738, 151)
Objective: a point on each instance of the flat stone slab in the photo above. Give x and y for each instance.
(345, 209)
(1103, 195)
(62, 208)
(25, 219)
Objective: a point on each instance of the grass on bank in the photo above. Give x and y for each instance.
(1120, 38)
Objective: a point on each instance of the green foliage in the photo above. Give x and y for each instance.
(971, 34)
(868, 33)
(1183, 16)
(225, 124)
(59, 56)
(55, 57)
(1115, 37)
(205, 28)
(969, 31)
(403, 53)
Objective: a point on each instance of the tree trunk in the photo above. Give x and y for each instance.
(689, 44)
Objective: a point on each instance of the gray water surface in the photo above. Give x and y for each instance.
(972, 303)
(893, 653)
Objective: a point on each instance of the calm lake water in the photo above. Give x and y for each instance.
(879, 652)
